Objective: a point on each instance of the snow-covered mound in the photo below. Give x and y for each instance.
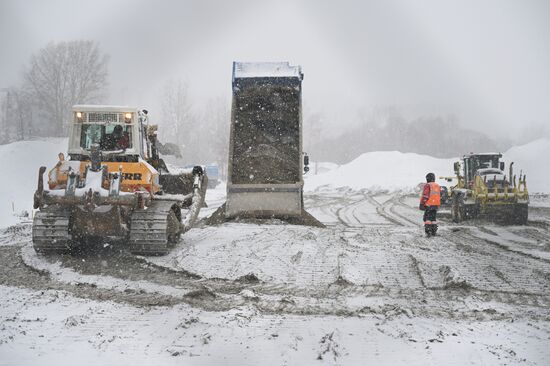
(534, 160)
(393, 170)
(388, 170)
(19, 162)
(321, 167)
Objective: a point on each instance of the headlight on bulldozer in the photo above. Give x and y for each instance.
(79, 116)
(127, 117)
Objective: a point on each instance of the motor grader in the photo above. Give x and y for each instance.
(114, 185)
(484, 189)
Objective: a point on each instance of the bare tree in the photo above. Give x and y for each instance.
(311, 129)
(177, 114)
(215, 133)
(4, 115)
(63, 74)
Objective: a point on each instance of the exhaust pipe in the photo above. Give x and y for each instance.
(37, 202)
(95, 157)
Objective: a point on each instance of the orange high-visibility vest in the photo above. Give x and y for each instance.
(435, 195)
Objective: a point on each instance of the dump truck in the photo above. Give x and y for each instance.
(266, 161)
(484, 189)
(114, 185)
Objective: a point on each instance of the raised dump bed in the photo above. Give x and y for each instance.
(265, 153)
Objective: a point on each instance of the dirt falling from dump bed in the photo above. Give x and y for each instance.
(305, 219)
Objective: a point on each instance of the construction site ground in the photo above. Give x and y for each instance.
(369, 288)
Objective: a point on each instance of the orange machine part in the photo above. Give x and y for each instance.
(136, 176)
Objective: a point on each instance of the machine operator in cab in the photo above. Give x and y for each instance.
(117, 140)
(429, 203)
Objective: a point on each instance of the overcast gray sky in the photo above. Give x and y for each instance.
(487, 61)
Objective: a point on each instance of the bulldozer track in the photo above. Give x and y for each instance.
(383, 211)
(150, 229)
(51, 230)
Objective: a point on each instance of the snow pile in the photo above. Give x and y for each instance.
(393, 170)
(20, 162)
(265, 69)
(386, 170)
(321, 167)
(534, 160)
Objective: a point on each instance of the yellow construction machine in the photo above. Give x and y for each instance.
(114, 185)
(484, 189)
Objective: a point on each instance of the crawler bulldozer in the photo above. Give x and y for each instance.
(485, 190)
(114, 185)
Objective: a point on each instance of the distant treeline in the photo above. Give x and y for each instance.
(435, 136)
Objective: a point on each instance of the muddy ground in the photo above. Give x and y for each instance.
(370, 265)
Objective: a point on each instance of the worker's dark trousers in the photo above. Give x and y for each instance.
(430, 213)
(430, 220)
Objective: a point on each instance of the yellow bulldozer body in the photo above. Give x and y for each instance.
(114, 185)
(136, 177)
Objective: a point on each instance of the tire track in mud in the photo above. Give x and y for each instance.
(505, 247)
(326, 204)
(532, 233)
(417, 270)
(348, 209)
(340, 218)
(388, 209)
(399, 202)
(382, 210)
(469, 242)
(516, 273)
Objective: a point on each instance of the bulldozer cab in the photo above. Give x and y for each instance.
(117, 131)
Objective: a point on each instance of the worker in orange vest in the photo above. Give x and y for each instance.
(429, 203)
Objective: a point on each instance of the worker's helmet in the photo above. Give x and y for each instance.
(430, 177)
(118, 130)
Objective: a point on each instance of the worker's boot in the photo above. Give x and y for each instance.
(433, 229)
(428, 230)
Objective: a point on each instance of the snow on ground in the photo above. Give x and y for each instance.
(22, 160)
(393, 170)
(36, 322)
(368, 289)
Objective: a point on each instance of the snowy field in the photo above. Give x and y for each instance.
(367, 289)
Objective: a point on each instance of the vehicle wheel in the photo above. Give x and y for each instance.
(470, 211)
(458, 211)
(521, 214)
